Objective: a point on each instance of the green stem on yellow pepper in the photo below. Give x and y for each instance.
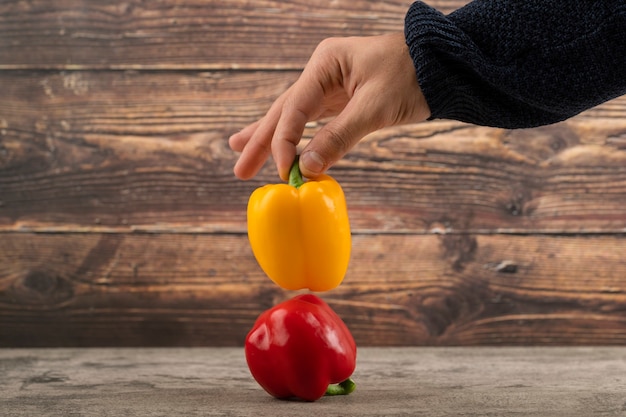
(295, 176)
(342, 388)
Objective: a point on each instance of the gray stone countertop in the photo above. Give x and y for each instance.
(463, 381)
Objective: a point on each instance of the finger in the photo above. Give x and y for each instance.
(336, 138)
(238, 141)
(315, 90)
(290, 128)
(258, 147)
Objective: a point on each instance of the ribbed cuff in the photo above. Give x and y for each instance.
(435, 45)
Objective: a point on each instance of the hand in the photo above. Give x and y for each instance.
(367, 83)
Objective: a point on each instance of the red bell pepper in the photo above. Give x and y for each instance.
(301, 349)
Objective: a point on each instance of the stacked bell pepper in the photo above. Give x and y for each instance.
(300, 233)
(300, 236)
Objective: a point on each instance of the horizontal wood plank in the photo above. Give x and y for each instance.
(185, 34)
(147, 151)
(121, 223)
(181, 290)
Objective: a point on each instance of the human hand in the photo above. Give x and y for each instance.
(367, 83)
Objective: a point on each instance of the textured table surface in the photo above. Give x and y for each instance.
(390, 382)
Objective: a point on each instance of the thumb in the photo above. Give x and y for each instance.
(337, 137)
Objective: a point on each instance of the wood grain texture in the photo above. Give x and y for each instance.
(121, 223)
(185, 34)
(192, 290)
(124, 151)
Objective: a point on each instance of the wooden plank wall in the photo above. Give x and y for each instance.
(121, 223)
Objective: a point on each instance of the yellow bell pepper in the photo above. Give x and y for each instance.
(300, 233)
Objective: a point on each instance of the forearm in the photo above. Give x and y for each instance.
(518, 64)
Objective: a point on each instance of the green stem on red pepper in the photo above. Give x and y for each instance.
(295, 176)
(342, 388)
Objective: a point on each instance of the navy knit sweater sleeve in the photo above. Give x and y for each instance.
(517, 64)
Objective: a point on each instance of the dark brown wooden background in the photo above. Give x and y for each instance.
(121, 223)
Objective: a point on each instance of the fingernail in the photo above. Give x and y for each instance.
(312, 162)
